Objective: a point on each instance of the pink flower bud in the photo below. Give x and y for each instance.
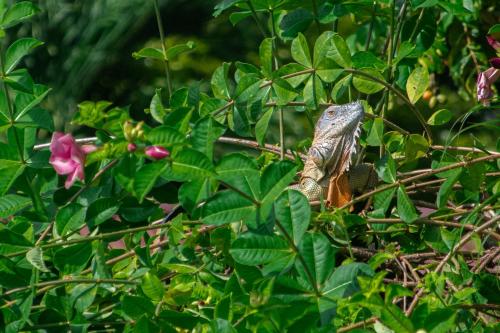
(68, 158)
(493, 43)
(131, 147)
(156, 152)
(495, 62)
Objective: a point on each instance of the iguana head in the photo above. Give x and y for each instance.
(340, 120)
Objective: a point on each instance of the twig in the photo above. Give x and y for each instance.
(363, 323)
(163, 47)
(443, 262)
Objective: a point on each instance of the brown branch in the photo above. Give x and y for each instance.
(443, 262)
(363, 323)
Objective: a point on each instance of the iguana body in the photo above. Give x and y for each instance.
(329, 158)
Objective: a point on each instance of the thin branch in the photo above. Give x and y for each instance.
(363, 323)
(424, 175)
(163, 47)
(443, 262)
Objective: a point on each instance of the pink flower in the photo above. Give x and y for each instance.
(484, 82)
(156, 152)
(68, 158)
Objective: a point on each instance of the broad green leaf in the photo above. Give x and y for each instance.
(376, 133)
(220, 83)
(294, 213)
(240, 172)
(319, 256)
(339, 52)
(35, 257)
(224, 308)
(26, 102)
(365, 59)
(366, 85)
(189, 163)
(404, 50)
(146, 177)
(275, 178)
(223, 5)
(193, 192)
(314, 92)
(382, 202)
(156, 107)
(406, 209)
(9, 171)
(425, 26)
(149, 52)
(285, 93)
(300, 51)
(137, 306)
(248, 89)
(165, 136)
(344, 280)
(17, 51)
(70, 218)
(494, 29)
(11, 241)
(394, 318)
(152, 286)
(10, 204)
(102, 210)
(440, 117)
(266, 57)
(447, 187)
(321, 47)
(417, 83)
(19, 12)
(416, 147)
(175, 50)
(252, 249)
(204, 135)
(341, 87)
(295, 22)
(262, 125)
(386, 169)
(228, 207)
(72, 259)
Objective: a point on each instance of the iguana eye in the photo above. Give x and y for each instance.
(331, 112)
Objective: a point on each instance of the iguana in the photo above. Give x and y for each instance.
(329, 158)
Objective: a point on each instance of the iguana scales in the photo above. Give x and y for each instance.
(329, 158)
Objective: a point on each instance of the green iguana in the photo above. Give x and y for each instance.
(329, 158)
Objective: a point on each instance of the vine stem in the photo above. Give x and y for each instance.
(417, 177)
(256, 18)
(443, 262)
(67, 281)
(396, 91)
(163, 47)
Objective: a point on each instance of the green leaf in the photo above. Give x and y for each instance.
(394, 318)
(35, 257)
(386, 169)
(366, 85)
(240, 172)
(266, 57)
(10, 204)
(136, 306)
(193, 192)
(440, 117)
(262, 125)
(275, 178)
(223, 5)
(70, 218)
(376, 133)
(175, 50)
(165, 136)
(292, 209)
(146, 177)
(11, 241)
(300, 51)
(322, 47)
(73, 259)
(344, 280)
(228, 207)
(404, 50)
(447, 187)
(149, 52)
(17, 51)
(494, 29)
(251, 249)
(152, 286)
(156, 107)
(314, 92)
(382, 201)
(295, 22)
(224, 308)
(416, 147)
(341, 87)
(417, 84)
(102, 210)
(285, 93)
(9, 171)
(340, 52)
(190, 163)
(26, 102)
(319, 257)
(220, 83)
(19, 12)
(204, 135)
(406, 209)
(365, 59)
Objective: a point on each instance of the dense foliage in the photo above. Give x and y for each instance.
(156, 229)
